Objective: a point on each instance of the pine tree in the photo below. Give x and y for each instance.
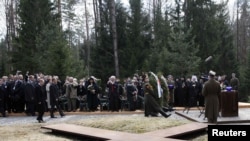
(40, 46)
(245, 84)
(181, 58)
(139, 34)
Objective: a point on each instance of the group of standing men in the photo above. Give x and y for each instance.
(28, 94)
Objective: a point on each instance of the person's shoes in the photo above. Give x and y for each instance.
(171, 110)
(153, 114)
(165, 109)
(41, 121)
(166, 116)
(62, 115)
(53, 117)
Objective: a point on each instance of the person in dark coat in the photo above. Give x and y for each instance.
(181, 94)
(113, 93)
(40, 99)
(18, 94)
(211, 92)
(9, 99)
(171, 89)
(234, 82)
(151, 105)
(193, 89)
(92, 93)
(131, 94)
(29, 92)
(2, 98)
(54, 97)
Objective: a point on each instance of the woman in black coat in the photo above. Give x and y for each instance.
(92, 93)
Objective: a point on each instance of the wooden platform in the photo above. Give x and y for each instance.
(103, 135)
(179, 130)
(169, 134)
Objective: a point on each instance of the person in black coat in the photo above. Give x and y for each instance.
(92, 93)
(54, 97)
(40, 100)
(29, 91)
(113, 94)
(18, 94)
(131, 94)
(2, 98)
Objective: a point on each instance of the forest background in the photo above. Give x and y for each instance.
(110, 38)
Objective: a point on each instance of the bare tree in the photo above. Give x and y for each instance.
(114, 34)
(96, 16)
(59, 9)
(11, 24)
(243, 31)
(87, 35)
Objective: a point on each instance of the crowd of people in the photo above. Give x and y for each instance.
(37, 94)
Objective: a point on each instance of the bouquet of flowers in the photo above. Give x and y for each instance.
(91, 88)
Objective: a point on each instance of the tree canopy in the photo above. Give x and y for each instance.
(172, 38)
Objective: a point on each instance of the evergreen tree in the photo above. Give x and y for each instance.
(34, 14)
(3, 58)
(201, 16)
(161, 34)
(181, 58)
(40, 46)
(139, 34)
(245, 84)
(102, 60)
(225, 57)
(122, 34)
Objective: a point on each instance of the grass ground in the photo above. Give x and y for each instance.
(131, 124)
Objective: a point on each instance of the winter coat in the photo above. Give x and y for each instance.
(211, 92)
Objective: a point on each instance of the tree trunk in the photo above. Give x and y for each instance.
(96, 17)
(10, 26)
(114, 34)
(87, 36)
(60, 12)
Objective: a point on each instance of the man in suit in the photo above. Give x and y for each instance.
(54, 97)
(211, 92)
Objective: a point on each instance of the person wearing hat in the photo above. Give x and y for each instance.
(211, 92)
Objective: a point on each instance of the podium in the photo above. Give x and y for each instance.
(229, 103)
